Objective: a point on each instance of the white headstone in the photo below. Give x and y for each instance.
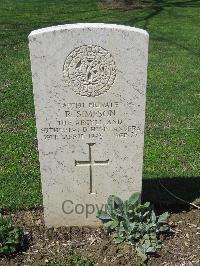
(89, 84)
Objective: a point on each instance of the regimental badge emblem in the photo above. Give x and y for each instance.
(89, 70)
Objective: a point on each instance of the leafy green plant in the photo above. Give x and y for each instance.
(11, 237)
(134, 222)
(73, 260)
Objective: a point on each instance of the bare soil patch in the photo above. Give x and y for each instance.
(182, 248)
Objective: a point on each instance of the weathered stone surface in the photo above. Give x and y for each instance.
(89, 84)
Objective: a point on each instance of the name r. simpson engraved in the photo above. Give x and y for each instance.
(90, 120)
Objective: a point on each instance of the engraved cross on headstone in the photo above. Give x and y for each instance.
(91, 163)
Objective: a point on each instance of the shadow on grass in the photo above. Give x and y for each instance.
(166, 191)
(193, 50)
(24, 25)
(158, 6)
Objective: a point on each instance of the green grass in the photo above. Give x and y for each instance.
(172, 137)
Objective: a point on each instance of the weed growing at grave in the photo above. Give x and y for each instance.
(72, 260)
(11, 237)
(136, 223)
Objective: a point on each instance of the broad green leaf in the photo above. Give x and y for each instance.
(141, 253)
(151, 250)
(114, 224)
(103, 216)
(164, 228)
(118, 202)
(132, 226)
(108, 224)
(163, 217)
(125, 206)
(146, 204)
(153, 216)
(119, 239)
(134, 199)
(146, 237)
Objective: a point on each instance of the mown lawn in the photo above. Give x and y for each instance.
(172, 137)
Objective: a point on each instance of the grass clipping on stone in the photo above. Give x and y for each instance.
(135, 223)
